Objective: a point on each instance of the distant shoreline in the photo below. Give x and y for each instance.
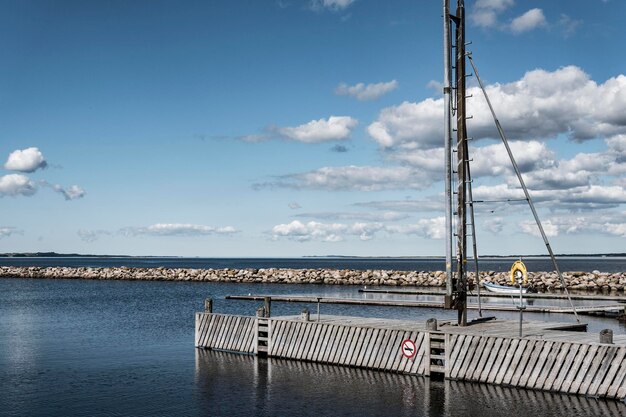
(78, 255)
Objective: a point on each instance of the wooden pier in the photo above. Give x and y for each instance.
(612, 310)
(547, 357)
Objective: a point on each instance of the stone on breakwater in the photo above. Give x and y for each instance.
(542, 281)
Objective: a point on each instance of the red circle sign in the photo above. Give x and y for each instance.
(408, 348)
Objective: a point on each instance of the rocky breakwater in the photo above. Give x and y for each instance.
(542, 281)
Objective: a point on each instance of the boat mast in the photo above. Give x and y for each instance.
(456, 296)
(447, 48)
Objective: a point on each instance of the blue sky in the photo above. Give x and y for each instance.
(292, 128)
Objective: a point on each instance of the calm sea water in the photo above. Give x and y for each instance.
(85, 348)
(604, 264)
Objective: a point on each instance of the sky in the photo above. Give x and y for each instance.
(286, 128)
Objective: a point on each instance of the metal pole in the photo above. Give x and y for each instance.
(318, 308)
(474, 245)
(526, 193)
(461, 267)
(447, 139)
(521, 308)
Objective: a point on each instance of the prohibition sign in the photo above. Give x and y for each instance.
(408, 348)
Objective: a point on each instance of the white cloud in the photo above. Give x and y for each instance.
(568, 26)
(334, 232)
(322, 130)
(541, 105)
(355, 178)
(613, 224)
(16, 184)
(366, 92)
(333, 5)
(9, 231)
(294, 206)
(494, 225)
(177, 229)
(90, 236)
(433, 228)
(72, 192)
(435, 203)
(497, 5)
(485, 12)
(369, 217)
(302, 232)
(416, 124)
(26, 160)
(530, 20)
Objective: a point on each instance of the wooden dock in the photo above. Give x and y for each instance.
(491, 352)
(605, 309)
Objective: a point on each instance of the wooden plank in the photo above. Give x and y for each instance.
(593, 369)
(500, 349)
(494, 360)
(538, 368)
(603, 372)
(364, 347)
(317, 341)
(353, 356)
(323, 341)
(234, 344)
(284, 341)
(200, 323)
(222, 331)
(395, 365)
(582, 373)
(447, 343)
(277, 337)
(310, 351)
(459, 355)
(573, 371)
(249, 338)
(523, 360)
(200, 319)
(508, 361)
(419, 360)
(340, 342)
(290, 328)
(295, 340)
(369, 362)
(471, 351)
(553, 366)
(212, 332)
(426, 354)
(387, 356)
(231, 333)
(370, 343)
(331, 345)
(482, 358)
(616, 365)
(454, 350)
(411, 335)
(559, 381)
(348, 346)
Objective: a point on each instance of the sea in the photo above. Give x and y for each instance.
(126, 348)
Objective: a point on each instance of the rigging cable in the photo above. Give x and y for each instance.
(526, 193)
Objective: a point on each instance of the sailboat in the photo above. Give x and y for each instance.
(454, 94)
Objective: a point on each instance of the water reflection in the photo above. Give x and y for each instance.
(231, 384)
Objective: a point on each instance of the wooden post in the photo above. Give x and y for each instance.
(208, 305)
(267, 304)
(431, 325)
(606, 336)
